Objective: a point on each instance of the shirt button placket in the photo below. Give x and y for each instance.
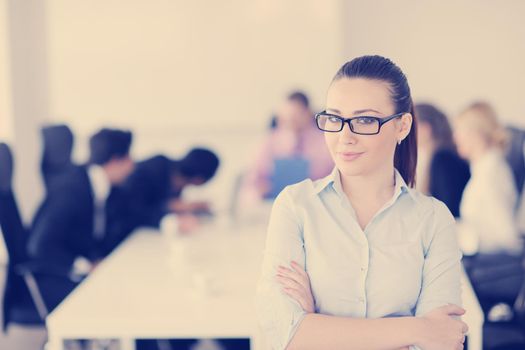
(364, 270)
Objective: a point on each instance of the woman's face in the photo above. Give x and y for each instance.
(466, 138)
(364, 154)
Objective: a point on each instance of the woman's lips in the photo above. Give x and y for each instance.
(349, 156)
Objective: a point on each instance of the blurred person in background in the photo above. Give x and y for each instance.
(294, 135)
(74, 221)
(488, 224)
(156, 186)
(440, 173)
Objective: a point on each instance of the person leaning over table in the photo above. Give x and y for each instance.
(359, 259)
(81, 215)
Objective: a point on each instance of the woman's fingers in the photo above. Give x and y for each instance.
(302, 298)
(291, 274)
(299, 269)
(297, 296)
(288, 282)
(296, 284)
(453, 310)
(296, 269)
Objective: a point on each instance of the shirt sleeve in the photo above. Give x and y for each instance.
(441, 283)
(278, 314)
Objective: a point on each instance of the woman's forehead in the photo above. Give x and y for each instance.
(357, 95)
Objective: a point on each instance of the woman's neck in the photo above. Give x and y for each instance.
(479, 152)
(378, 186)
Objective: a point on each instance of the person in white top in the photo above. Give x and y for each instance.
(488, 227)
(489, 200)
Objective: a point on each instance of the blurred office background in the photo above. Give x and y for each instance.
(183, 74)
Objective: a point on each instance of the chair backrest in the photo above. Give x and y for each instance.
(6, 168)
(10, 221)
(12, 229)
(516, 156)
(519, 304)
(58, 143)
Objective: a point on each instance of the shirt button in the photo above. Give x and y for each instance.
(363, 269)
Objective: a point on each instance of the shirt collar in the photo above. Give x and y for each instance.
(321, 184)
(334, 180)
(401, 186)
(99, 183)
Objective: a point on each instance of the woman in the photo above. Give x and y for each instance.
(441, 173)
(488, 224)
(359, 253)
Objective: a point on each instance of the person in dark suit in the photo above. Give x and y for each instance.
(157, 183)
(441, 173)
(73, 225)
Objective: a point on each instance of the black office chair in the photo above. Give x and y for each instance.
(18, 306)
(508, 335)
(515, 156)
(58, 143)
(23, 303)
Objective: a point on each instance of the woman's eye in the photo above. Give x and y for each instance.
(366, 120)
(334, 120)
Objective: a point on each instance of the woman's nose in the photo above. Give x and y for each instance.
(346, 135)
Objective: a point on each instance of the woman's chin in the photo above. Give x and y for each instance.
(350, 169)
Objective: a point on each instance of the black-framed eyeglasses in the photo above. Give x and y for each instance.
(362, 125)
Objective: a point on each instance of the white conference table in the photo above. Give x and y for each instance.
(143, 291)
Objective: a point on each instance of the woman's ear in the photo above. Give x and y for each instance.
(404, 126)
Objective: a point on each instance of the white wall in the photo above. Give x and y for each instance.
(163, 65)
(180, 73)
(166, 66)
(452, 51)
(5, 91)
(27, 86)
(5, 113)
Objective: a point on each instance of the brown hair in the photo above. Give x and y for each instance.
(438, 122)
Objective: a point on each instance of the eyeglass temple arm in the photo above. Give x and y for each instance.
(383, 121)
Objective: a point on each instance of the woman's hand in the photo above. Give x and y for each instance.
(296, 284)
(441, 331)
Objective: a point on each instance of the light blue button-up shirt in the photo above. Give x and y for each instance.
(405, 262)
